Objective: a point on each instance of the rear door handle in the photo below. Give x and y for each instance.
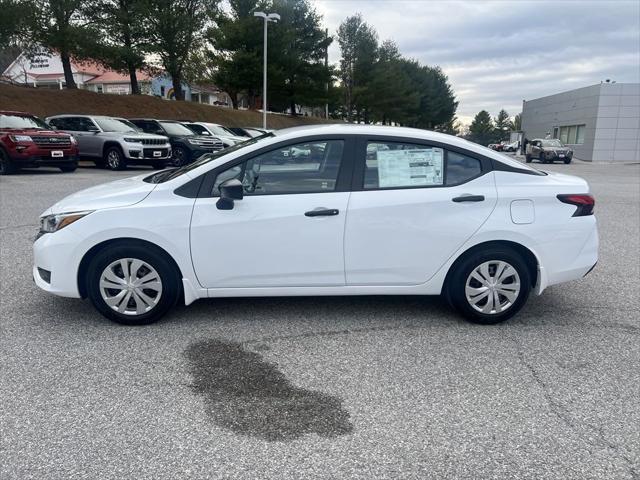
(468, 198)
(322, 212)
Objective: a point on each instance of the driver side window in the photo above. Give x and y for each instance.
(310, 167)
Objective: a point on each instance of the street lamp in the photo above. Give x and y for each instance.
(270, 17)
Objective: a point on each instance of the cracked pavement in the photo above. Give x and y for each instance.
(368, 387)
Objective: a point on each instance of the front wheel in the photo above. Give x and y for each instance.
(567, 161)
(527, 158)
(179, 156)
(132, 284)
(490, 286)
(543, 158)
(6, 165)
(115, 159)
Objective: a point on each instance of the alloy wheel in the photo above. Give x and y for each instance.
(178, 156)
(113, 159)
(492, 287)
(130, 286)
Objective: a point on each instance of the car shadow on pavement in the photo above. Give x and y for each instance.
(250, 396)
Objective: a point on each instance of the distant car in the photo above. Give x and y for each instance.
(548, 151)
(248, 132)
(227, 137)
(113, 143)
(510, 147)
(496, 146)
(27, 141)
(186, 146)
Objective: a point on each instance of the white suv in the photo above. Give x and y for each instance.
(113, 142)
(362, 210)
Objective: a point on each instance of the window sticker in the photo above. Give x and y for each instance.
(406, 168)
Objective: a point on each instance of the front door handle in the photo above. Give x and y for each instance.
(322, 212)
(468, 198)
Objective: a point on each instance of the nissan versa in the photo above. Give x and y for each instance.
(359, 210)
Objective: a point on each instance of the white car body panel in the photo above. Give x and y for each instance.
(265, 246)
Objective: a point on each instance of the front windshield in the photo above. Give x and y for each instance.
(175, 128)
(552, 143)
(114, 125)
(167, 175)
(22, 123)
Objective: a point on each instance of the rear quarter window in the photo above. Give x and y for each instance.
(461, 168)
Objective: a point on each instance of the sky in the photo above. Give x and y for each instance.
(498, 53)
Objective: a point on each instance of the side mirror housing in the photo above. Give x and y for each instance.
(230, 191)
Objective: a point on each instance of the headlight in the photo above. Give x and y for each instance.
(53, 223)
(132, 140)
(194, 141)
(21, 138)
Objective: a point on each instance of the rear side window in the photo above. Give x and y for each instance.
(461, 168)
(402, 165)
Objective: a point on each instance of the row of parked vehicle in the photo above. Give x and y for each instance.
(111, 142)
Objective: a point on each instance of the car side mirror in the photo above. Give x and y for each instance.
(230, 190)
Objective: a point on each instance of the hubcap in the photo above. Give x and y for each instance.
(492, 287)
(130, 286)
(113, 159)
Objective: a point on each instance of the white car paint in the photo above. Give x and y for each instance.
(398, 241)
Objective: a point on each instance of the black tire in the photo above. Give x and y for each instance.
(159, 164)
(6, 165)
(114, 159)
(69, 168)
(168, 273)
(457, 283)
(567, 161)
(543, 158)
(179, 156)
(527, 158)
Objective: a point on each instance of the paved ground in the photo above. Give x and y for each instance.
(323, 388)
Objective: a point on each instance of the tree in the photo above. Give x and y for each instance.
(237, 57)
(482, 130)
(502, 125)
(298, 44)
(359, 47)
(15, 15)
(175, 26)
(517, 122)
(123, 43)
(58, 25)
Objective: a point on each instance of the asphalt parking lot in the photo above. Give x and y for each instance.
(389, 387)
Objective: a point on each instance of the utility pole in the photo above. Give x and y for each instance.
(326, 66)
(271, 17)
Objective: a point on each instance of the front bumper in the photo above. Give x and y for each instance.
(44, 161)
(148, 154)
(55, 253)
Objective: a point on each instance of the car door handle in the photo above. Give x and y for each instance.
(322, 212)
(468, 198)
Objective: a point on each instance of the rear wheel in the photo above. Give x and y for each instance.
(6, 165)
(132, 285)
(490, 286)
(115, 159)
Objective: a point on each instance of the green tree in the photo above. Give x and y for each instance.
(175, 27)
(359, 48)
(237, 56)
(13, 20)
(123, 43)
(59, 25)
(517, 122)
(503, 125)
(482, 129)
(298, 44)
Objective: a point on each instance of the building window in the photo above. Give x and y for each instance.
(555, 132)
(572, 134)
(162, 90)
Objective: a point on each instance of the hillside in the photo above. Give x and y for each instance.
(43, 103)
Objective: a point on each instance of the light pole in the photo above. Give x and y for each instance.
(270, 17)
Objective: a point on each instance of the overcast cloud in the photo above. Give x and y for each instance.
(498, 53)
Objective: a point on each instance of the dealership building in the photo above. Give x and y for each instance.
(601, 123)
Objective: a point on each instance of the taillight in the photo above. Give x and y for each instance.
(583, 201)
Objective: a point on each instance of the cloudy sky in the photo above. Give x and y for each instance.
(498, 53)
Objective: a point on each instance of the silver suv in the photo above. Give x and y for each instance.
(113, 142)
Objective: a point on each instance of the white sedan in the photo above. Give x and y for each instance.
(371, 211)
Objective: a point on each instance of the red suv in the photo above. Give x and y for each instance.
(26, 141)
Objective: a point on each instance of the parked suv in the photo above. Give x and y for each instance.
(113, 143)
(224, 134)
(27, 141)
(185, 144)
(548, 151)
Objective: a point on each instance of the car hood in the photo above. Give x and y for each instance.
(33, 131)
(120, 193)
